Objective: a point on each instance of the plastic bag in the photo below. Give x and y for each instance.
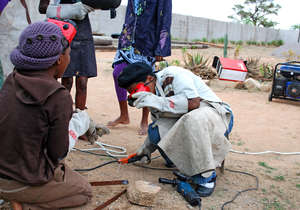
(79, 125)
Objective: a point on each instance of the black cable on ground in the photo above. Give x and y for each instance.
(99, 166)
(240, 192)
(168, 169)
(152, 168)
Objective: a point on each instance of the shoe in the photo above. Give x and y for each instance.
(205, 186)
(205, 190)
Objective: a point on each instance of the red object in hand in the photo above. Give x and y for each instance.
(139, 88)
(67, 27)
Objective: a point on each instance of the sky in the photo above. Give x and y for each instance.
(220, 9)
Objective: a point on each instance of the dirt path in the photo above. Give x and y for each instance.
(259, 126)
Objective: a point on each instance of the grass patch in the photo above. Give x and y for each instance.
(298, 186)
(279, 178)
(240, 143)
(265, 165)
(272, 204)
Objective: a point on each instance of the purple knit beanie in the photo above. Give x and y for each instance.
(40, 46)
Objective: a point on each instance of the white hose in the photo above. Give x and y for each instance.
(265, 152)
(117, 151)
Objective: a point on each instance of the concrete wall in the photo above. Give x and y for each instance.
(189, 28)
(101, 22)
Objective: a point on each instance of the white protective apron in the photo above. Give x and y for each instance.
(195, 142)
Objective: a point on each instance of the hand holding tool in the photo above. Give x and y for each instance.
(131, 158)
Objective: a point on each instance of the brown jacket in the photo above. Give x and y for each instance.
(35, 111)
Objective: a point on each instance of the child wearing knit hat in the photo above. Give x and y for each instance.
(34, 119)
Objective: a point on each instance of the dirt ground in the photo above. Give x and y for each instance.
(259, 126)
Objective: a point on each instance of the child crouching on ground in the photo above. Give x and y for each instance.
(34, 119)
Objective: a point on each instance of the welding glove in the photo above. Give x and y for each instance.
(146, 149)
(95, 131)
(177, 104)
(78, 125)
(76, 11)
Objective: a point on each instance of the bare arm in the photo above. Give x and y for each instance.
(43, 6)
(194, 103)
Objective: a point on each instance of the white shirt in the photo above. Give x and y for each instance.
(176, 80)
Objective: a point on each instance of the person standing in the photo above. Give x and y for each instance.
(83, 58)
(2, 6)
(14, 17)
(145, 37)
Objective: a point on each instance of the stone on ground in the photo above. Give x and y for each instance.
(142, 193)
(252, 84)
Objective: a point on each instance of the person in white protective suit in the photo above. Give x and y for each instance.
(190, 125)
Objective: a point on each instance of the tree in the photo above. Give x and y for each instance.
(296, 27)
(254, 12)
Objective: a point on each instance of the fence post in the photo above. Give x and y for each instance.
(225, 46)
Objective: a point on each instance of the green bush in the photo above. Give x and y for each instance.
(274, 42)
(204, 40)
(279, 43)
(240, 42)
(162, 65)
(248, 42)
(196, 40)
(214, 41)
(221, 40)
(198, 64)
(266, 70)
(175, 63)
(233, 42)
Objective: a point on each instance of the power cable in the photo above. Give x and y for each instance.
(264, 152)
(93, 153)
(110, 150)
(240, 192)
(167, 169)
(99, 166)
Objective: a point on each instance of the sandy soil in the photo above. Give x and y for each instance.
(259, 125)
